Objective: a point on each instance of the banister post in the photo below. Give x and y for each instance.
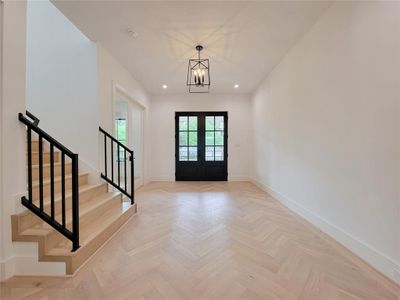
(132, 179)
(75, 203)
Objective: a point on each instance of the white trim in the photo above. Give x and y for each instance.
(162, 178)
(29, 266)
(373, 257)
(119, 89)
(239, 178)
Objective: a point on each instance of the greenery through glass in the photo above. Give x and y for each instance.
(120, 132)
(188, 137)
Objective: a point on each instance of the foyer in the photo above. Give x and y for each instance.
(199, 150)
(213, 240)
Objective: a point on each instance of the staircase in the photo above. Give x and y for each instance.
(51, 219)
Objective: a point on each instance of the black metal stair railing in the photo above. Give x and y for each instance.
(35, 203)
(116, 181)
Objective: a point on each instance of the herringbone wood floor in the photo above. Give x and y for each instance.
(213, 241)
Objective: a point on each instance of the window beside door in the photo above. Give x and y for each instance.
(121, 136)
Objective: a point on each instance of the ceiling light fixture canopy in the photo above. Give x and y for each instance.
(198, 75)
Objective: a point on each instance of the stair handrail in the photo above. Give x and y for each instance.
(117, 183)
(73, 233)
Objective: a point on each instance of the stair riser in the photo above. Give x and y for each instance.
(46, 158)
(46, 171)
(55, 237)
(96, 243)
(35, 145)
(83, 179)
(28, 220)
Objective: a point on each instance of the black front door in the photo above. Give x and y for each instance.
(201, 146)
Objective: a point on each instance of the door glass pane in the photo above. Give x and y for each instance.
(210, 153)
(192, 123)
(219, 138)
(183, 123)
(209, 138)
(219, 123)
(214, 136)
(193, 153)
(219, 153)
(183, 153)
(210, 123)
(120, 132)
(183, 138)
(188, 137)
(192, 138)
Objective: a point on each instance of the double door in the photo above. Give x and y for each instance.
(201, 146)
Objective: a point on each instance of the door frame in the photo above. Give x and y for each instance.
(201, 145)
(118, 89)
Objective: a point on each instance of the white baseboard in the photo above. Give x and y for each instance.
(26, 265)
(373, 257)
(161, 178)
(239, 178)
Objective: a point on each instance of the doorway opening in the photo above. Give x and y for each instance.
(128, 129)
(201, 146)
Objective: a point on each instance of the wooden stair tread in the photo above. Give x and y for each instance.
(56, 179)
(37, 230)
(43, 229)
(90, 231)
(68, 193)
(56, 164)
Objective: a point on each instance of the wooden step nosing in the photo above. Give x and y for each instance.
(58, 196)
(57, 179)
(82, 215)
(86, 243)
(48, 165)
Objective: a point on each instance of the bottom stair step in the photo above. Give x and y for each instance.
(93, 234)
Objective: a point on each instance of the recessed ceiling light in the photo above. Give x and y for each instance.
(164, 86)
(236, 86)
(132, 34)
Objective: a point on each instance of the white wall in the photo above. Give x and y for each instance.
(13, 135)
(15, 258)
(62, 80)
(113, 78)
(326, 129)
(162, 132)
(137, 141)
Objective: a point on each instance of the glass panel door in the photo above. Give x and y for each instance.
(201, 146)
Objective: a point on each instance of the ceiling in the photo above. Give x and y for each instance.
(244, 40)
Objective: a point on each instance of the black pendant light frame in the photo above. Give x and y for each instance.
(198, 75)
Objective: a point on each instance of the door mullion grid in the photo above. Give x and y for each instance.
(187, 137)
(214, 138)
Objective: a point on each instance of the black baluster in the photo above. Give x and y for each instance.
(119, 164)
(112, 160)
(52, 180)
(63, 189)
(132, 179)
(126, 179)
(105, 155)
(75, 202)
(30, 165)
(40, 173)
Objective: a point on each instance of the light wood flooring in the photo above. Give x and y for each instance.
(207, 240)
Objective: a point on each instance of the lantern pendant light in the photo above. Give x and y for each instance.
(198, 75)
